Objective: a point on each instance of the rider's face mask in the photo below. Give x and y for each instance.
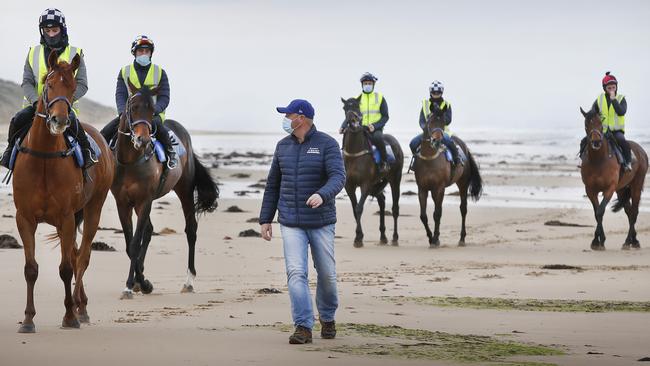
(54, 41)
(368, 87)
(143, 60)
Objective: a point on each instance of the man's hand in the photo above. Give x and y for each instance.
(267, 232)
(341, 130)
(371, 128)
(315, 200)
(612, 95)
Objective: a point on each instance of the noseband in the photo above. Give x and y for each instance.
(49, 103)
(131, 123)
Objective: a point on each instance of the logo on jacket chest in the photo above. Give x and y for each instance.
(313, 150)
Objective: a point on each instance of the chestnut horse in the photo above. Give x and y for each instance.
(601, 172)
(433, 172)
(49, 187)
(361, 171)
(140, 179)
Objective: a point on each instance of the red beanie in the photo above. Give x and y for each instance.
(609, 79)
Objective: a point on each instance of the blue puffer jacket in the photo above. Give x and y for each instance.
(298, 171)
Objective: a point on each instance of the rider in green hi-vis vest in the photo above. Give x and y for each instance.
(612, 107)
(374, 111)
(143, 72)
(54, 38)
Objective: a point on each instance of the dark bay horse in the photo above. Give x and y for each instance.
(140, 179)
(49, 187)
(433, 173)
(361, 171)
(601, 172)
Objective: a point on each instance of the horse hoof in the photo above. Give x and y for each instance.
(187, 289)
(598, 248)
(146, 287)
(136, 287)
(434, 245)
(358, 244)
(70, 324)
(27, 328)
(626, 246)
(461, 243)
(394, 243)
(383, 241)
(83, 318)
(127, 295)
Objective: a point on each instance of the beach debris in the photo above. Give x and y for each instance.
(249, 233)
(257, 185)
(268, 291)
(9, 242)
(7, 216)
(227, 237)
(253, 220)
(107, 228)
(166, 231)
(100, 246)
(409, 193)
(164, 203)
(644, 359)
(244, 193)
(561, 223)
(234, 209)
(562, 266)
(240, 175)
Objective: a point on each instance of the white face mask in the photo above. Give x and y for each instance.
(368, 88)
(286, 125)
(143, 60)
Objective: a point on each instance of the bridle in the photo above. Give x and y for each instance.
(49, 103)
(131, 123)
(353, 119)
(433, 142)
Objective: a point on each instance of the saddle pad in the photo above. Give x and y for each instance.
(176, 143)
(389, 154)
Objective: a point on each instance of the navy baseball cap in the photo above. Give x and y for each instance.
(299, 106)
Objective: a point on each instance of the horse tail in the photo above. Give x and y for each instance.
(623, 199)
(206, 189)
(54, 237)
(475, 180)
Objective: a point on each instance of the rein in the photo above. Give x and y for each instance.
(131, 123)
(430, 140)
(359, 153)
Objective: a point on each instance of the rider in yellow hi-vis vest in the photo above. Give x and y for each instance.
(54, 38)
(436, 89)
(612, 108)
(143, 72)
(374, 111)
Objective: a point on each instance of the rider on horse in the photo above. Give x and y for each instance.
(612, 108)
(375, 115)
(143, 72)
(54, 38)
(436, 89)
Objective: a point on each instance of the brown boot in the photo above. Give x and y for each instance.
(328, 330)
(301, 335)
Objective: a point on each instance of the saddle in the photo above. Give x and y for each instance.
(447, 153)
(614, 149)
(74, 149)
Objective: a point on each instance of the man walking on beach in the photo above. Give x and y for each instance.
(306, 174)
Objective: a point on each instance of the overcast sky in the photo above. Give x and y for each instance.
(505, 64)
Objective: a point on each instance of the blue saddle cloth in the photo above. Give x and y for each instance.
(176, 143)
(72, 143)
(390, 156)
(448, 155)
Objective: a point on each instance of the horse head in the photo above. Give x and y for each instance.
(58, 90)
(353, 117)
(139, 114)
(593, 128)
(435, 126)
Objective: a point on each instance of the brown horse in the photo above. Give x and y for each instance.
(433, 173)
(601, 172)
(361, 171)
(48, 187)
(140, 179)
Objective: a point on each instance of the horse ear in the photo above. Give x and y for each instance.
(342, 100)
(584, 114)
(132, 88)
(76, 61)
(52, 61)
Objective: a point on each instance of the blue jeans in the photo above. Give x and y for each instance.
(321, 240)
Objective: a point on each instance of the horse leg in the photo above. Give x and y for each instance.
(437, 214)
(92, 213)
(602, 208)
(139, 249)
(593, 197)
(358, 240)
(66, 235)
(187, 202)
(423, 195)
(125, 212)
(146, 286)
(381, 200)
(463, 213)
(352, 193)
(27, 229)
(634, 212)
(394, 190)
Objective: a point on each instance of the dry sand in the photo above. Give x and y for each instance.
(216, 324)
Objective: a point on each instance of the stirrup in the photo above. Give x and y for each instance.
(172, 161)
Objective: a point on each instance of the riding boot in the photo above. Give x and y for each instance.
(88, 153)
(110, 130)
(453, 149)
(384, 167)
(583, 145)
(412, 164)
(18, 123)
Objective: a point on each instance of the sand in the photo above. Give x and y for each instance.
(227, 322)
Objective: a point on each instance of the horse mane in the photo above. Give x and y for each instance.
(590, 115)
(147, 95)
